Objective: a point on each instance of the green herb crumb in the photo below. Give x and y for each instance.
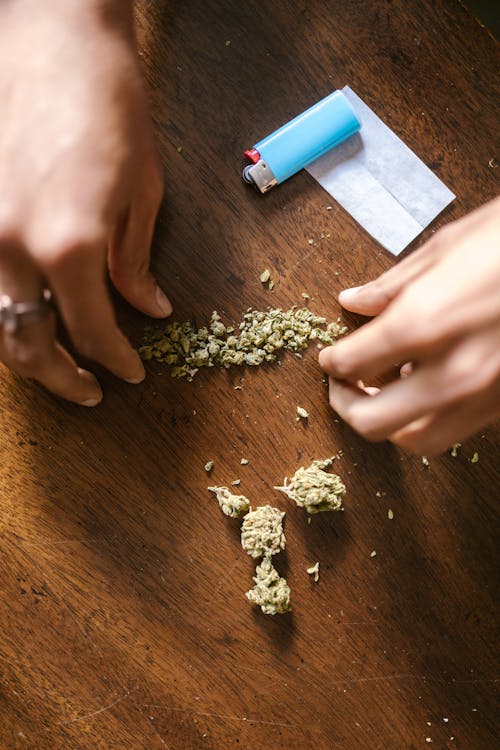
(475, 458)
(209, 466)
(302, 413)
(258, 339)
(244, 461)
(373, 553)
(390, 514)
(454, 449)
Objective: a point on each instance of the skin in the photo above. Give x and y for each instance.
(80, 186)
(438, 311)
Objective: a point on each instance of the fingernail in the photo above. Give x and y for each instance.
(138, 377)
(91, 402)
(324, 356)
(92, 381)
(163, 302)
(349, 293)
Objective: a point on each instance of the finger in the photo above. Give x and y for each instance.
(78, 282)
(372, 298)
(434, 433)
(396, 405)
(129, 257)
(33, 352)
(372, 350)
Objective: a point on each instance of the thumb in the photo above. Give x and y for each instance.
(372, 298)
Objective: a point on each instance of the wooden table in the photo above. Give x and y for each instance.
(124, 620)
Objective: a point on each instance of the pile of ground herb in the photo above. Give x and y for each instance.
(258, 339)
(271, 592)
(262, 531)
(231, 505)
(315, 489)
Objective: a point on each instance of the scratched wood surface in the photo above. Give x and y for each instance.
(123, 617)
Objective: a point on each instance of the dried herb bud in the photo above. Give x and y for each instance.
(271, 592)
(262, 531)
(231, 505)
(315, 489)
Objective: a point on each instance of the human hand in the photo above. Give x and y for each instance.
(439, 310)
(80, 187)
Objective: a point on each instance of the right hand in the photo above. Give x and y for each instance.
(439, 309)
(80, 187)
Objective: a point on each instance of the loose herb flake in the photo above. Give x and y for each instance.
(314, 571)
(265, 276)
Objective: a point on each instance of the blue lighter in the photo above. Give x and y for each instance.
(300, 142)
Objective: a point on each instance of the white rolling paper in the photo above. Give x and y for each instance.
(381, 182)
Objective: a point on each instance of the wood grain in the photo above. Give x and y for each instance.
(124, 621)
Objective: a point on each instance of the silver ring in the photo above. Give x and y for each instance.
(14, 315)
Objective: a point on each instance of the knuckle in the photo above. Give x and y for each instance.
(381, 288)
(65, 239)
(336, 362)
(425, 330)
(361, 421)
(472, 378)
